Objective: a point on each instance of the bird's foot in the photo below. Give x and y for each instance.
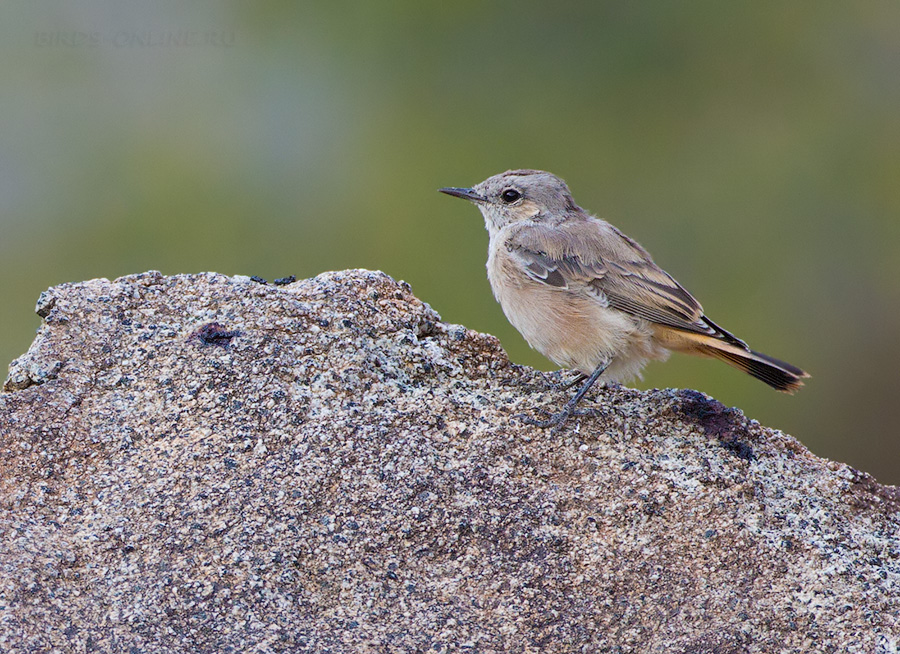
(557, 420)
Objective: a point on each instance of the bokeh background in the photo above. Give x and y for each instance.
(753, 147)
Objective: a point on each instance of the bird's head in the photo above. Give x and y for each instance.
(518, 195)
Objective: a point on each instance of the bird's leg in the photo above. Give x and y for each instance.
(564, 385)
(557, 420)
(580, 377)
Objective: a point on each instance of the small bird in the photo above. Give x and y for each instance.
(590, 298)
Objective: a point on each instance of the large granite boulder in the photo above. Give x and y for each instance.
(201, 463)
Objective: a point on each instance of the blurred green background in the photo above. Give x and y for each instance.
(752, 147)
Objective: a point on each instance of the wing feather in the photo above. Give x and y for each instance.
(592, 257)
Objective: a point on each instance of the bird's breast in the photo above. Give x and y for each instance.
(571, 327)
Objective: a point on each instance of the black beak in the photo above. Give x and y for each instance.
(464, 193)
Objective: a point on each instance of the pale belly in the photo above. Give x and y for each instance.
(576, 331)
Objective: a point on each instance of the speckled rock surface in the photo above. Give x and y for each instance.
(209, 464)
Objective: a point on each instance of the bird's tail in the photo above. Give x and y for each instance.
(778, 374)
(720, 344)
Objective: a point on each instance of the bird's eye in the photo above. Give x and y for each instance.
(510, 195)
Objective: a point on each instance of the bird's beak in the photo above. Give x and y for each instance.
(464, 193)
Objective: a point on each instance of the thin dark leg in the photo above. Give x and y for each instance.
(577, 380)
(559, 419)
(562, 374)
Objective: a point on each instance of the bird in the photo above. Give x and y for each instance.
(590, 298)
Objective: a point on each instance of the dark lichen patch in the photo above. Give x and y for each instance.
(868, 495)
(739, 448)
(284, 281)
(45, 304)
(727, 425)
(214, 333)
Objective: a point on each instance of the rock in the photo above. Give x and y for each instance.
(209, 464)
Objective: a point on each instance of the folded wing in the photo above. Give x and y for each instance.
(593, 257)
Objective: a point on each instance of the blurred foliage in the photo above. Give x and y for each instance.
(751, 146)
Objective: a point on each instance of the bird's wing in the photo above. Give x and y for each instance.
(593, 257)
